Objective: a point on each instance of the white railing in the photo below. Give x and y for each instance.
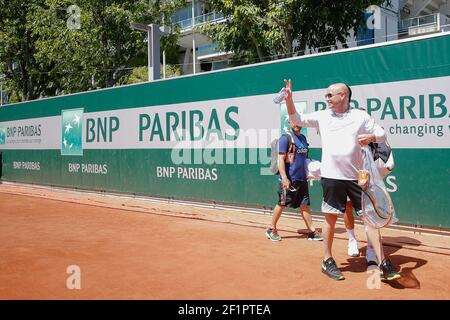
(430, 19)
(199, 20)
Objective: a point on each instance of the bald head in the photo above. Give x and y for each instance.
(342, 87)
(338, 96)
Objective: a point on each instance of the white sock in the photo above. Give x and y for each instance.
(351, 234)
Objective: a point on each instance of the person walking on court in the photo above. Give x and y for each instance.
(292, 182)
(343, 132)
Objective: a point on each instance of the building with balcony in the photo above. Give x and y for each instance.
(404, 18)
(418, 17)
(205, 55)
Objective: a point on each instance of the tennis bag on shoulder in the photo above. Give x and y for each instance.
(274, 152)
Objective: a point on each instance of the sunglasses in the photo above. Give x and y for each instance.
(329, 95)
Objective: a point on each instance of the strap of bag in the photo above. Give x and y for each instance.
(291, 148)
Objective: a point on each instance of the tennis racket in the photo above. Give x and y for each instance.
(380, 202)
(378, 209)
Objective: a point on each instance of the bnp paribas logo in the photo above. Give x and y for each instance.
(2, 135)
(71, 130)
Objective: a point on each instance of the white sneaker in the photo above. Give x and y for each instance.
(353, 248)
(371, 257)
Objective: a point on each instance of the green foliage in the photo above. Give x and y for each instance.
(140, 74)
(16, 50)
(43, 54)
(137, 75)
(53, 55)
(260, 30)
(172, 71)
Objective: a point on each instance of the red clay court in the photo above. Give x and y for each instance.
(130, 248)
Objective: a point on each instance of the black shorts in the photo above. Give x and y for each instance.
(335, 193)
(293, 198)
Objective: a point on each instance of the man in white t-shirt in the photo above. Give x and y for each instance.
(343, 132)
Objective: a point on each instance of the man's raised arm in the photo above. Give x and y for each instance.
(308, 120)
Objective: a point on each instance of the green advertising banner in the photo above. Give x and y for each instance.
(207, 137)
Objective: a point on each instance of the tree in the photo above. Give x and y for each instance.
(259, 29)
(17, 50)
(50, 46)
